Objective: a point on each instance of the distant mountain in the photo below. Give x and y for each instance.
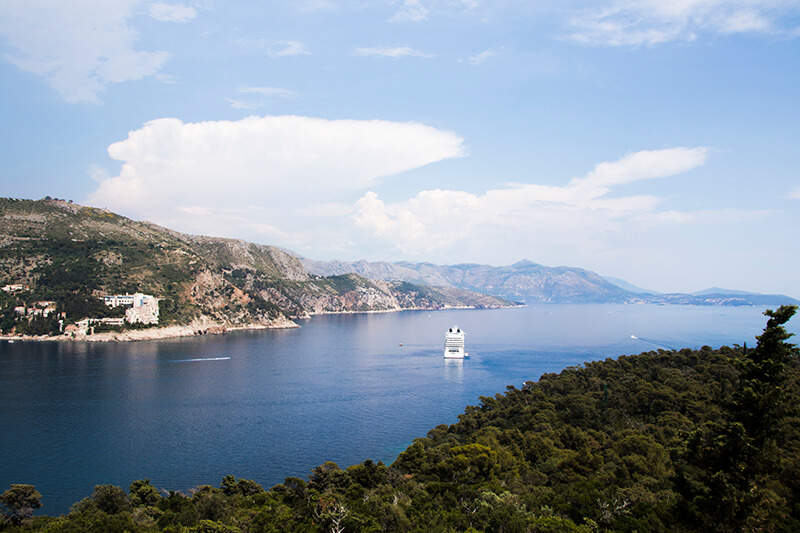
(530, 282)
(524, 281)
(69, 254)
(717, 290)
(621, 283)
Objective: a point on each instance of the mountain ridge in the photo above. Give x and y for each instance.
(530, 282)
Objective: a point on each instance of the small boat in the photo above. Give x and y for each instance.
(454, 344)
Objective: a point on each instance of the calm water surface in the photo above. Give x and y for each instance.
(270, 404)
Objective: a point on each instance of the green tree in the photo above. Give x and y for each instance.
(111, 499)
(20, 501)
(730, 461)
(143, 493)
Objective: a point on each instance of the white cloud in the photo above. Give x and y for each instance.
(275, 48)
(172, 12)
(579, 215)
(651, 22)
(231, 178)
(287, 48)
(482, 57)
(795, 194)
(412, 11)
(395, 53)
(79, 46)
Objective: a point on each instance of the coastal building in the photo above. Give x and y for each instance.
(143, 308)
(14, 288)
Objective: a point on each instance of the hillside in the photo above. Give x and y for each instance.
(71, 255)
(529, 282)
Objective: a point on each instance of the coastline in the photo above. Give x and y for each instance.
(204, 326)
(196, 328)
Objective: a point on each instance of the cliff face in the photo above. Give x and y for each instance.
(71, 254)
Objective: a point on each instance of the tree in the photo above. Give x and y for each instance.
(111, 499)
(729, 461)
(143, 493)
(20, 501)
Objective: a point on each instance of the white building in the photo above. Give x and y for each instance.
(115, 300)
(143, 307)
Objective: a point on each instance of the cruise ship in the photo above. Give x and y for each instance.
(454, 344)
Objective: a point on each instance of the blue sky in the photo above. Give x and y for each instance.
(657, 142)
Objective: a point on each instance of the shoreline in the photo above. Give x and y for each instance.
(208, 327)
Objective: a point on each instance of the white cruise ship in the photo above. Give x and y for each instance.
(454, 344)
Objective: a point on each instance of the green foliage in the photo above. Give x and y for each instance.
(20, 501)
(110, 499)
(143, 493)
(342, 284)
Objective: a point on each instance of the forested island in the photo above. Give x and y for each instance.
(689, 440)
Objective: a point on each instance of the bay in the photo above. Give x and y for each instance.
(265, 405)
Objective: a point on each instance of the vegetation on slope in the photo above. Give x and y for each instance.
(71, 255)
(691, 440)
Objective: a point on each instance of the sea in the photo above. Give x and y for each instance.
(269, 404)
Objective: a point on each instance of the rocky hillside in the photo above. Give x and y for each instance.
(524, 281)
(530, 282)
(72, 254)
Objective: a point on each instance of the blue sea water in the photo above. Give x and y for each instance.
(265, 405)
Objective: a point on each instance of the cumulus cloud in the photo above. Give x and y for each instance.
(651, 22)
(172, 12)
(582, 213)
(225, 176)
(395, 52)
(79, 46)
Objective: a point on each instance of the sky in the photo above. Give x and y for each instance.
(657, 142)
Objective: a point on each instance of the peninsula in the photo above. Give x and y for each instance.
(62, 265)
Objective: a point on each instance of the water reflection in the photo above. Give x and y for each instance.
(454, 370)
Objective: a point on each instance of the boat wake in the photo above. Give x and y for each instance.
(196, 360)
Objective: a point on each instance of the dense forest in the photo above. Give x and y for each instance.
(689, 440)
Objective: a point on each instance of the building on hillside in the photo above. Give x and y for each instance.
(14, 288)
(143, 308)
(114, 300)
